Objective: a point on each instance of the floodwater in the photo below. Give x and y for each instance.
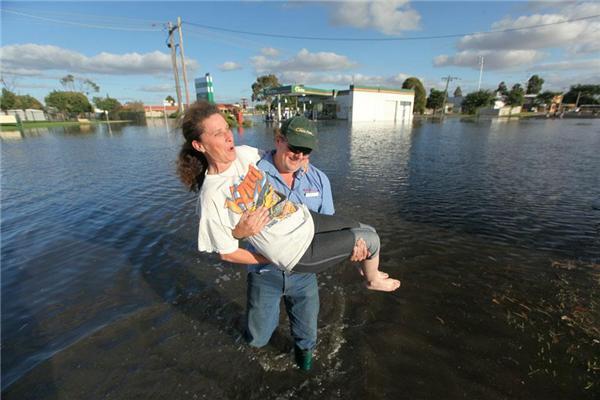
(492, 226)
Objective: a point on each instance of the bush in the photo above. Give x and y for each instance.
(474, 101)
(231, 121)
(72, 103)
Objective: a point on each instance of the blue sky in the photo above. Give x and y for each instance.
(121, 45)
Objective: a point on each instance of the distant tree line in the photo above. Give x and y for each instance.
(72, 101)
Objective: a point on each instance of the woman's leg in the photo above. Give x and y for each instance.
(334, 241)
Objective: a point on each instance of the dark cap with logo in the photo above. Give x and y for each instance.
(300, 132)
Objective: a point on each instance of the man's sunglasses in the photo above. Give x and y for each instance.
(297, 150)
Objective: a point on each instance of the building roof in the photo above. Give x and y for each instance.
(380, 89)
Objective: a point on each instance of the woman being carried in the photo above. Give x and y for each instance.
(230, 184)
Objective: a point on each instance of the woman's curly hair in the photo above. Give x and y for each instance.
(192, 164)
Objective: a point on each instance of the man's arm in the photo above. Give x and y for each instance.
(327, 198)
(243, 256)
(360, 251)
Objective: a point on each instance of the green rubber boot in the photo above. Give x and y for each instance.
(304, 358)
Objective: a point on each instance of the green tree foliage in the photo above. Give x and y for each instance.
(107, 104)
(435, 99)
(88, 86)
(169, 99)
(534, 84)
(29, 102)
(72, 103)
(262, 83)
(420, 93)
(588, 94)
(9, 100)
(474, 101)
(230, 118)
(458, 92)
(516, 96)
(502, 89)
(68, 82)
(546, 97)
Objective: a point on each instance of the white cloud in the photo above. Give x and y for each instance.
(493, 60)
(338, 79)
(34, 57)
(304, 61)
(269, 52)
(230, 66)
(576, 37)
(160, 88)
(390, 17)
(570, 65)
(560, 82)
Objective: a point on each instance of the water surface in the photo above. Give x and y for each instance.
(492, 226)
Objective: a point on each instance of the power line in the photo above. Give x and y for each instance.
(454, 35)
(84, 25)
(64, 14)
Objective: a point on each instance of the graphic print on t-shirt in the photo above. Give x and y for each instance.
(255, 191)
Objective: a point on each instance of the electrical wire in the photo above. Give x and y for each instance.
(110, 27)
(340, 39)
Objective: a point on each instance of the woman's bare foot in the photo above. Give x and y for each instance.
(384, 285)
(382, 275)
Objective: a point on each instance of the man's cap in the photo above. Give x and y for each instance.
(300, 132)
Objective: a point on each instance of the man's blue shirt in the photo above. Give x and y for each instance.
(311, 187)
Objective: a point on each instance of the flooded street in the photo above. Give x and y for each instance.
(492, 226)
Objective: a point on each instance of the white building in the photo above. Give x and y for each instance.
(375, 104)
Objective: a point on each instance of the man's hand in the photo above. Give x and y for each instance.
(360, 251)
(251, 223)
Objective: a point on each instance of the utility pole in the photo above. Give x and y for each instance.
(171, 45)
(181, 53)
(480, 72)
(448, 79)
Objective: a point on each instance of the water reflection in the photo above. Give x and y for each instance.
(11, 135)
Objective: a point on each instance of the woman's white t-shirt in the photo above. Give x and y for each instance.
(225, 196)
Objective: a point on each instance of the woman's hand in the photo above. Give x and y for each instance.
(360, 251)
(251, 223)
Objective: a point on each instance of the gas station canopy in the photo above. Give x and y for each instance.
(299, 90)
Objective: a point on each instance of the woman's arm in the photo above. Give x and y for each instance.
(243, 256)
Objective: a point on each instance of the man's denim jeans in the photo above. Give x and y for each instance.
(301, 296)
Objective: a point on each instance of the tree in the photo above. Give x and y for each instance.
(474, 101)
(534, 84)
(458, 92)
(435, 99)
(502, 89)
(169, 99)
(588, 94)
(516, 96)
(88, 86)
(68, 82)
(72, 103)
(8, 100)
(420, 93)
(263, 83)
(29, 102)
(107, 103)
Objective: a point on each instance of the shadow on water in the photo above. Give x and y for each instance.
(31, 336)
(189, 315)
